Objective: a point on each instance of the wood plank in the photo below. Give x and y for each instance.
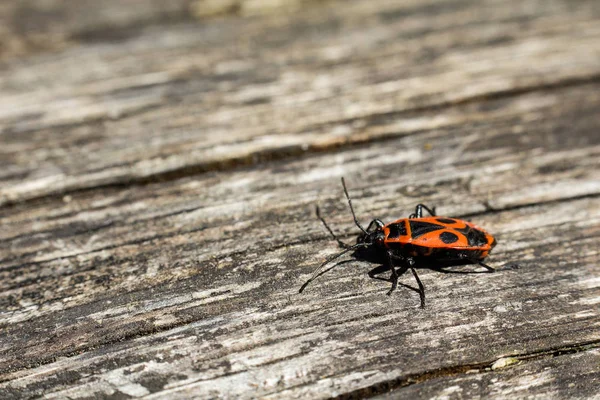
(495, 143)
(247, 332)
(190, 286)
(32, 27)
(156, 106)
(140, 258)
(560, 376)
(35, 26)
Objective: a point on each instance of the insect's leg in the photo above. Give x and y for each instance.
(419, 211)
(408, 263)
(377, 223)
(394, 277)
(421, 287)
(490, 269)
(371, 225)
(374, 273)
(340, 243)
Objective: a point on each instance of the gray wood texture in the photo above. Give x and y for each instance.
(160, 172)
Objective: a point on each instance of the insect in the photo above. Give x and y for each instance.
(406, 241)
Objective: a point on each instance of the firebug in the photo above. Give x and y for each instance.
(417, 239)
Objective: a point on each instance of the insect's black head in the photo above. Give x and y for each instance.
(374, 234)
(373, 240)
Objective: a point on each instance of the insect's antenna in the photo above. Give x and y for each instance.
(352, 208)
(319, 270)
(342, 244)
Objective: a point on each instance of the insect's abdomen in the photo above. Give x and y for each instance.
(438, 237)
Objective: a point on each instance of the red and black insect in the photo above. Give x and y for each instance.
(429, 240)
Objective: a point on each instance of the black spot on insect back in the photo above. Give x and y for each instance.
(397, 230)
(476, 238)
(418, 228)
(448, 237)
(445, 221)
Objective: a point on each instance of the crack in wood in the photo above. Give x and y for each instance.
(492, 210)
(267, 156)
(451, 371)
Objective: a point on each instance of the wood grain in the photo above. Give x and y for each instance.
(170, 271)
(157, 106)
(551, 376)
(157, 202)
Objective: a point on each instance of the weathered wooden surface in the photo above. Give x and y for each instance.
(175, 273)
(162, 104)
(553, 375)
